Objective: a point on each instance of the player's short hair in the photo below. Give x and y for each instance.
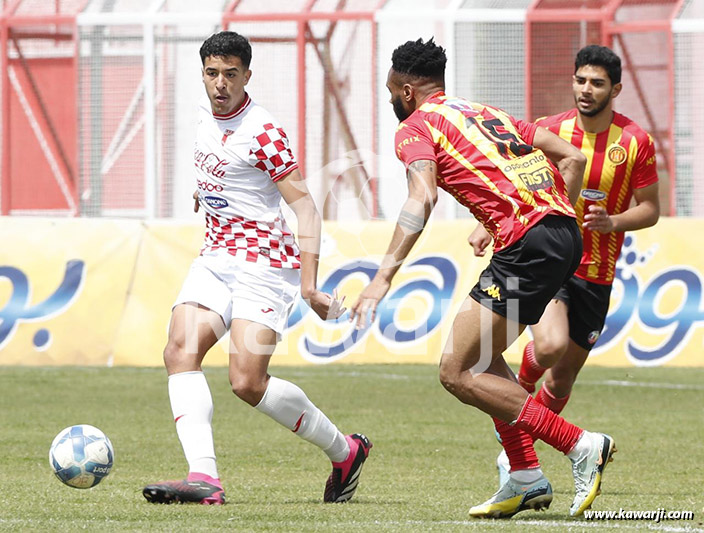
(227, 43)
(420, 59)
(600, 56)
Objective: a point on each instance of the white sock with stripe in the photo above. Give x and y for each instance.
(192, 407)
(289, 406)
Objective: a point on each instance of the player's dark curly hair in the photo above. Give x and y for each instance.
(227, 43)
(600, 56)
(419, 59)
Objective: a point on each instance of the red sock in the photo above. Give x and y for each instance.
(549, 400)
(518, 445)
(530, 370)
(543, 424)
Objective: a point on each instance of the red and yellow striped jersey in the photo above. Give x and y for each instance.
(486, 161)
(619, 160)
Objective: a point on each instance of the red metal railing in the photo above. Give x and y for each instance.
(303, 18)
(15, 28)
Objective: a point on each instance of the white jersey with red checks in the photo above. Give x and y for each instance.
(238, 159)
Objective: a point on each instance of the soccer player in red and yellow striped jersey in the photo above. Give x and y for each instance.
(514, 177)
(487, 163)
(620, 162)
(620, 167)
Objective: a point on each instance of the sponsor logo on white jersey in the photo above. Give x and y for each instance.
(215, 202)
(209, 187)
(210, 163)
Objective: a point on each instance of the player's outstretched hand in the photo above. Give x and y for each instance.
(368, 301)
(479, 240)
(598, 219)
(326, 306)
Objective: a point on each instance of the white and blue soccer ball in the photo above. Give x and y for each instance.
(81, 456)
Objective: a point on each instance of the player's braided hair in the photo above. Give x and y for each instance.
(600, 56)
(227, 43)
(420, 59)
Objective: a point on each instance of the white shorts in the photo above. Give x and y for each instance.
(239, 289)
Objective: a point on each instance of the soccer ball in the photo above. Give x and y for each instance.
(81, 456)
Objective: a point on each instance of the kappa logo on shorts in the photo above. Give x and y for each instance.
(593, 337)
(493, 291)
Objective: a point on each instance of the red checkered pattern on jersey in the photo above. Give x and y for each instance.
(270, 152)
(266, 243)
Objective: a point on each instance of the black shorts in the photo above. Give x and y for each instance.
(521, 280)
(587, 304)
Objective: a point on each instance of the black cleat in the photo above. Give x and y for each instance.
(343, 480)
(184, 491)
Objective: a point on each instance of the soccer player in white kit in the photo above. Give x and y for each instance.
(247, 278)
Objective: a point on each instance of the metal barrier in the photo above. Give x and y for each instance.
(98, 97)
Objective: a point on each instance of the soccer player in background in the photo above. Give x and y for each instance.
(246, 279)
(620, 166)
(500, 168)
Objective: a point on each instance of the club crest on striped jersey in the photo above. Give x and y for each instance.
(592, 194)
(617, 154)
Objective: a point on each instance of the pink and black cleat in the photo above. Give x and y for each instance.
(343, 480)
(197, 488)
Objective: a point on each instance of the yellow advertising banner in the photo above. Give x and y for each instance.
(165, 256)
(410, 326)
(414, 319)
(97, 292)
(63, 288)
(656, 315)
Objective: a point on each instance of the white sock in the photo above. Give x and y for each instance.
(527, 476)
(192, 407)
(582, 448)
(289, 406)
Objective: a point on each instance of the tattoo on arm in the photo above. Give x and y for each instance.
(419, 167)
(411, 222)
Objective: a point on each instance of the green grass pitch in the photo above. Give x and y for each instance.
(432, 459)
